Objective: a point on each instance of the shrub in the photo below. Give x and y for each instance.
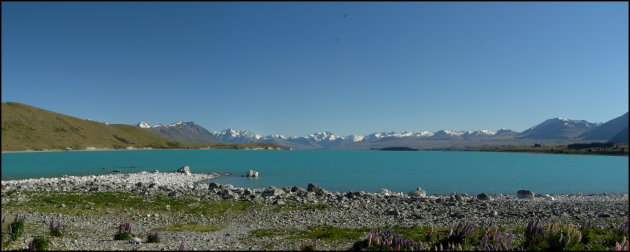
(38, 244)
(554, 237)
(310, 247)
(16, 228)
(56, 230)
(153, 237)
(124, 232)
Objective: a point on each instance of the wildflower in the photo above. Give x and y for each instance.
(182, 247)
(31, 247)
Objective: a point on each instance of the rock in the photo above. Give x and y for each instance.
(251, 174)
(315, 188)
(156, 171)
(418, 193)
(393, 212)
(384, 191)
(483, 196)
(278, 202)
(228, 194)
(185, 169)
(548, 197)
(525, 194)
(135, 240)
(456, 197)
(272, 191)
(213, 186)
(167, 207)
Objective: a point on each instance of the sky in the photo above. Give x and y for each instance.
(295, 68)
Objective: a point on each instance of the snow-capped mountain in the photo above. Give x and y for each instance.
(552, 129)
(558, 128)
(181, 131)
(236, 136)
(143, 125)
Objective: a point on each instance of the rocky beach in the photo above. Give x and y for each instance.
(189, 207)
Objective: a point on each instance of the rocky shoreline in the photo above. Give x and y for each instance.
(339, 209)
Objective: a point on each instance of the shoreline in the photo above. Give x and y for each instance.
(150, 201)
(480, 151)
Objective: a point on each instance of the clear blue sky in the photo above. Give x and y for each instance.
(277, 68)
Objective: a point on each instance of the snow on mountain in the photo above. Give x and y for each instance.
(483, 132)
(230, 135)
(558, 128)
(143, 125)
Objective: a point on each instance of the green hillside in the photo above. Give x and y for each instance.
(29, 128)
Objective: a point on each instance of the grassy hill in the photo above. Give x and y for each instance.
(29, 128)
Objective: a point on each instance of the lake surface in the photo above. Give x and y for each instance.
(351, 170)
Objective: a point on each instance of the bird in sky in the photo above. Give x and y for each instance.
(345, 15)
(338, 39)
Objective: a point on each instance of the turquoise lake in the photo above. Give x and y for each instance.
(351, 170)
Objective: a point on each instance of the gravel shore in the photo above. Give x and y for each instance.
(347, 209)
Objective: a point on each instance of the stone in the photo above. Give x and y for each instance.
(525, 194)
(418, 193)
(393, 212)
(135, 240)
(384, 191)
(251, 174)
(185, 169)
(483, 196)
(213, 186)
(315, 188)
(548, 197)
(456, 197)
(228, 194)
(272, 191)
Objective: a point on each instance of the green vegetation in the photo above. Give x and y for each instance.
(39, 243)
(29, 128)
(16, 228)
(111, 203)
(188, 227)
(153, 237)
(616, 149)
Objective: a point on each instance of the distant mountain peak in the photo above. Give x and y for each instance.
(143, 125)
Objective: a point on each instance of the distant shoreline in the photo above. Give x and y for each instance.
(497, 151)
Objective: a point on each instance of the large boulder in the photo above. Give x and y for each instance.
(185, 169)
(525, 194)
(483, 196)
(314, 188)
(418, 193)
(251, 174)
(272, 191)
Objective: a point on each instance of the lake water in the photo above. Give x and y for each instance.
(351, 170)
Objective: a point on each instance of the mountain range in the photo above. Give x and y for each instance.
(556, 130)
(26, 127)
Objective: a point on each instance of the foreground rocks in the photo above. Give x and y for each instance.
(344, 209)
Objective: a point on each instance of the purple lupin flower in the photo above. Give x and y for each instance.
(182, 247)
(31, 247)
(10, 229)
(51, 223)
(24, 218)
(16, 217)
